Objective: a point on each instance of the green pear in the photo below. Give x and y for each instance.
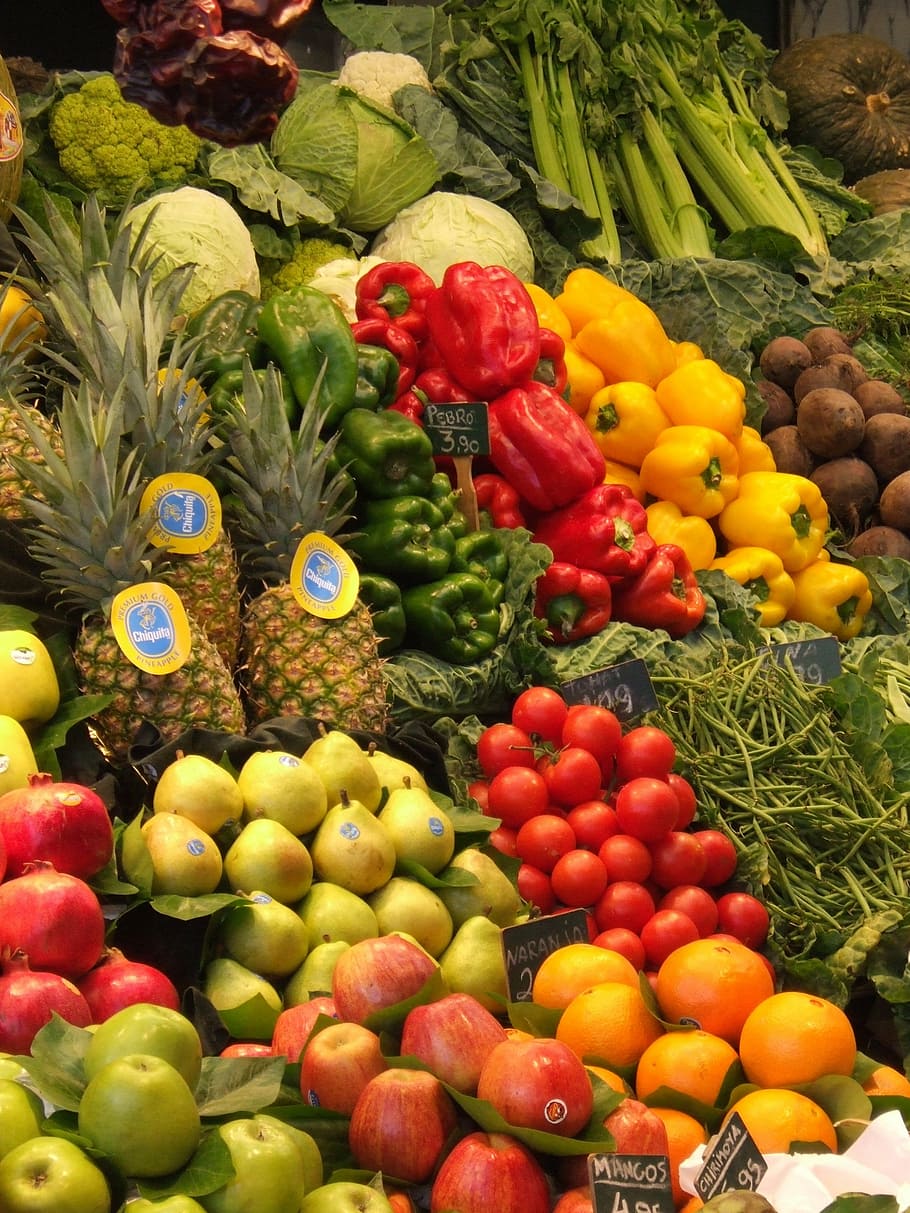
(403, 904)
(494, 895)
(185, 859)
(29, 690)
(283, 787)
(247, 1003)
(169, 1204)
(314, 976)
(393, 772)
(473, 963)
(264, 935)
(198, 788)
(266, 855)
(352, 848)
(334, 913)
(419, 829)
(17, 759)
(343, 766)
(307, 1147)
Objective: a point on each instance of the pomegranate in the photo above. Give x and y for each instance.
(116, 982)
(28, 1000)
(65, 824)
(54, 918)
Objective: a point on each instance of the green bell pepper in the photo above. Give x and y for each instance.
(453, 618)
(482, 553)
(387, 454)
(225, 331)
(443, 495)
(229, 387)
(383, 597)
(405, 538)
(377, 377)
(305, 331)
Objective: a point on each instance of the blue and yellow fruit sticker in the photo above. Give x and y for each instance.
(11, 138)
(324, 578)
(187, 512)
(151, 626)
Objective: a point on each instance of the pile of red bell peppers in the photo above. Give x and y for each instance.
(477, 337)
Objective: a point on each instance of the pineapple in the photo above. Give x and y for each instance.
(293, 663)
(92, 542)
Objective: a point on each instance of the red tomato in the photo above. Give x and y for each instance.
(625, 942)
(664, 932)
(503, 745)
(572, 775)
(540, 711)
(720, 853)
(503, 838)
(745, 917)
(578, 878)
(645, 750)
(479, 789)
(517, 794)
(685, 794)
(595, 729)
(594, 821)
(534, 886)
(694, 901)
(677, 858)
(646, 808)
(543, 839)
(624, 904)
(625, 858)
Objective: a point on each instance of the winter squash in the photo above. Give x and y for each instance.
(849, 96)
(11, 144)
(888, 190)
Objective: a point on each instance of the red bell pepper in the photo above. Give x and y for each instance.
(483, 323)
(396, 291)
(605, 528)
(439, 387)
(542, 447)
(551, 365)
(664, 595)
(499, 499)
(396, 340)
(575, 602)
(412, 404)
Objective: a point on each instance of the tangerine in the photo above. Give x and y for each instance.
(684, 1134)
(609, 1023)
(777, 1118)
(713, 984)
(794, 1037)
(886, 1080)
(693, 1063)
(613, 1080)
(575, 967)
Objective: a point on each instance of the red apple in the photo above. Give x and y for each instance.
(538, 1084)
(635, 1128)
(575, 1200)
(452, 1037)
(294, 1025)
(337, 1064)
(400, 1124)
(377, 973)
(247, 1048)
(487, 1171)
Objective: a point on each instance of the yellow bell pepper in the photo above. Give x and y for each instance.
(833, 596)
(628, 343)
(21, 324)
(584, 378)
(687, 351)
(549, 314)
(693, 466)
(668, 524)
(625, 420)
(780, 511)
(762, 572)
(587, 295)
(702, 393)
(754, 453)
(621, 473)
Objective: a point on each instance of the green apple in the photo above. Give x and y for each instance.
(9, 1067)
(395, 772)
(403, 904)
(334, 913)
(283, 787)
(344, 767)
(144, 1027)
(264, 935)
(352, 848)
(198, 788)
(247, 1003)
(473, 962)
(21, 1114)
(170, 1204)
(493, 895)
(51, 1175)
(419, 829)
(315, 974)
(185, 859)
(345, 1196)
(307, 1147)
(29, 690)
(266, 855)
(269, 1175)
(17, 758)
(140, 1112)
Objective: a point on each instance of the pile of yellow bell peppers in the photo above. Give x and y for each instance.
(671, 425)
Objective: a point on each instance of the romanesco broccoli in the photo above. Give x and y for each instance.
(308, 256)
(110, 146)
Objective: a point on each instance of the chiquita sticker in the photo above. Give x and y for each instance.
(10, 130)
(323, 577)
(151, 627)
(23, 655)
(187, 512)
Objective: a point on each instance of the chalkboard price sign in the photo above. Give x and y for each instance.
(733, 1162)
(813, 661)
(526, 945)
(459, 430)
(631, 1183)
(626, 689)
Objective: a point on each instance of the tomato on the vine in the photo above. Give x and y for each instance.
(594, 821)
(479, 790)
(685, 794)
(543, 839)
(595, 729)
(516, 794)
(534, 886)
(645, 750)
(646, 807)
(677, 858)
(572, 775)
(720, 855)
(578, 878)
(504, 839)
(625, 858)
(624, 904)
(504, 745)
(694, 901)
(625, 942)
(743, 916)
(541, 712)
(664, 932)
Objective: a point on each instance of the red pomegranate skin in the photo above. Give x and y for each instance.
(66, 824)
(54, 918)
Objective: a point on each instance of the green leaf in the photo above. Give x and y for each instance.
(261, 186)
(390, 1018)
(56, 1063)
(228, 1085)
(172, 905)
(209, 1169)
(595, 1138)
(845, 1102)
(533, 1018)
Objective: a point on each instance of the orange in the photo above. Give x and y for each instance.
(611, 1078)
(885, 1080)
(575, 967)
(776, 1118)
(793, 1038)
(693, 1203)
(694, 1063)
(609, 1024)
(684, 1134)
(713, 984)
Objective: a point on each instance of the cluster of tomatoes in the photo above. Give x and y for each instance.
(599, 820)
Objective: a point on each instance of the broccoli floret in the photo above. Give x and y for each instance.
(379, 75)
(308, 256)
(111, 146)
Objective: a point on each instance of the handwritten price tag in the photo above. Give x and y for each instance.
(630, 1183)
(734, 1162)
(626, 689)
(526, 946)
(458, 430)
(813, 661)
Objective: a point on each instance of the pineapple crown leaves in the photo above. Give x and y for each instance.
(18, 379)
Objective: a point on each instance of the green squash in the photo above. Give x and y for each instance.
(849, 96)
(11, 144)
(887, 190)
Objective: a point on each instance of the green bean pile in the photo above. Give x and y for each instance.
(770, 767)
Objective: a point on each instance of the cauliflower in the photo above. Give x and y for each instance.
(338, 280)
(308, 257)
(378, 75)
(110, 146)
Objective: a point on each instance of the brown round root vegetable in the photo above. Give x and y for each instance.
(779, 406)
(894, 505)
(790, 452)
(880, 541)
(876, 396)
(886, 445)
(841, 371)
(824, 340)
(830, 422)
(783, 359)
(850, 489)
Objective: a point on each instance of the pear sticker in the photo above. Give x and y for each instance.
(419, 829)
(352, 848)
